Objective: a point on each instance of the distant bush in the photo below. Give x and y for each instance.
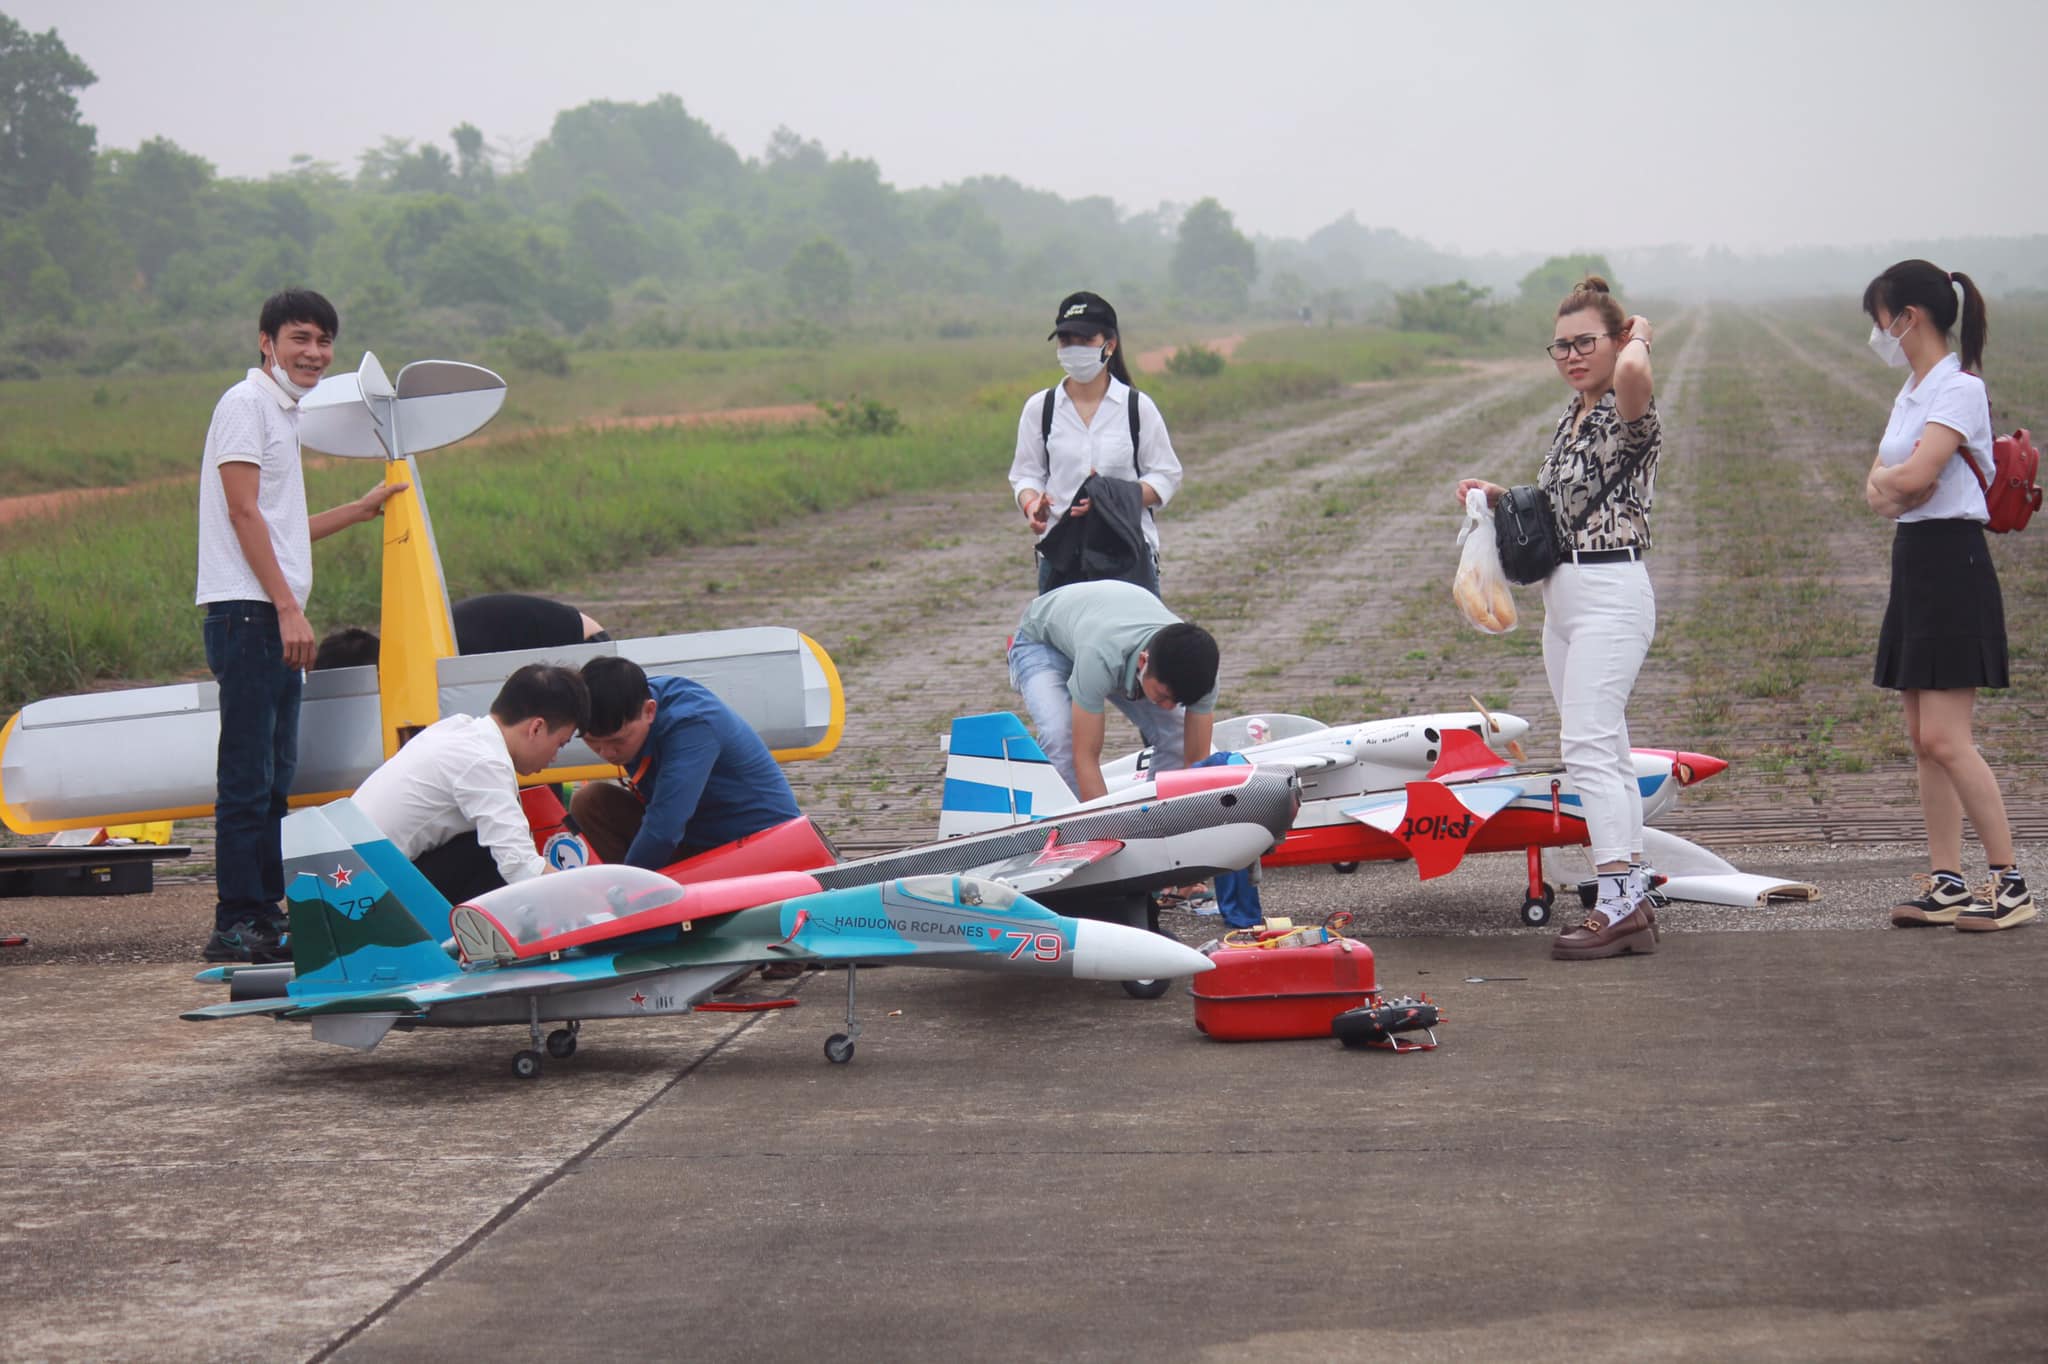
(529, 348)
(1195, 362)
(862, 417)
(1456, 309)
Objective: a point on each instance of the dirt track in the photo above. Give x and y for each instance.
(1319, 551)
(1318, 545)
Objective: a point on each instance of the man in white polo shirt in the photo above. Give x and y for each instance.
(255, 573)
(449, 799)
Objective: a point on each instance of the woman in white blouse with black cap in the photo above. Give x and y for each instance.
(1944, 625)
(1092, 422)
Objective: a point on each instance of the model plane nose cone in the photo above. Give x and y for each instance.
(1692, 767)
(1105, 951)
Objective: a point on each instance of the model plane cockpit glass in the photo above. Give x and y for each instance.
(560, 903)
(969, 890)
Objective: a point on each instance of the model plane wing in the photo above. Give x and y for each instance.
(1435, 822)
(576, 973)
(1050, 865)
(1305, 763)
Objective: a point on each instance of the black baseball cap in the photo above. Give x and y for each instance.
(1083, 314)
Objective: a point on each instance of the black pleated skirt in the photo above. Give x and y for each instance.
(1944, 627)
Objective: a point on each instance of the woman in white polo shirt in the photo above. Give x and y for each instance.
(1944, 625)
(1599, 612)
(1092, 422)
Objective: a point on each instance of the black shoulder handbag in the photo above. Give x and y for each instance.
(1525, 533)
(1525, 528)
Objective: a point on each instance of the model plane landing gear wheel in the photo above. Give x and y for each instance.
(1344, 868)
(526, 1065)
(1146, 989)
(562, 1043)
(1536, 909)
(839, 1046)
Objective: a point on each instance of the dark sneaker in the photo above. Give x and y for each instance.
(1940, 900)
(2006, 904)
(246, 941)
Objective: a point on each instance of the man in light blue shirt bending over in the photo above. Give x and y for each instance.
(1078, 648)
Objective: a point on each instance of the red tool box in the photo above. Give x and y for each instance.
(1282, 983)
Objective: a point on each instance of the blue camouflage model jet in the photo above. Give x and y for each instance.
(375, 947)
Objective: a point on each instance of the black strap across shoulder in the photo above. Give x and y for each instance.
(1045, 424)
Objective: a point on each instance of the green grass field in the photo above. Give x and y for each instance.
(102, 591)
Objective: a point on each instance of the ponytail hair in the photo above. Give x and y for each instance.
(1976, 325)
(1117, 370)
(1926, 286)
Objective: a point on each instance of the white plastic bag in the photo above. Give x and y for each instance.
(1480, 588)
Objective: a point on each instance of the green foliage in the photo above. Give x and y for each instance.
(1547, 285)
(1195, 362)
(819, 280)
(529, 348)
(862, 417)
(43, 142)
(1212, 260)
(1456, 309)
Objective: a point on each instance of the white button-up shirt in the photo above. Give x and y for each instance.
(1946, 397)
(453, 776)
(1058, 465)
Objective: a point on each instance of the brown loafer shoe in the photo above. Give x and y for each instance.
(1597, 938)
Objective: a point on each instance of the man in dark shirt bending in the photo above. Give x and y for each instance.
(697, 775)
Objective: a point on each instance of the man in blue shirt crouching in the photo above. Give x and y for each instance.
(697, 776)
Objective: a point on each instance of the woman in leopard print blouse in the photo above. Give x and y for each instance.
(1599, 612)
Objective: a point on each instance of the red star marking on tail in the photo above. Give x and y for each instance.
(636, 999)
(342, 875)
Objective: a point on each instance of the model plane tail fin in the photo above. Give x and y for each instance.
(996, 775)
(361, 913)
(1434, 821)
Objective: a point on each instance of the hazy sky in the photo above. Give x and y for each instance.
(1475, 126)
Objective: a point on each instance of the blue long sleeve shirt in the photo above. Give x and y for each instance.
(706, 776)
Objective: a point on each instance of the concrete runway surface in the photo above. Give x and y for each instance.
(1788, 1134)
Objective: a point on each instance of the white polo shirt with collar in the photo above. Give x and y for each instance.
(1057, 465)
(1946, 397)
(453, 776)
(255, 422)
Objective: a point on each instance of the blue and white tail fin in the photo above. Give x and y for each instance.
(361, 914)
(996, 775)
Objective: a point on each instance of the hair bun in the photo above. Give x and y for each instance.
(1593, 284)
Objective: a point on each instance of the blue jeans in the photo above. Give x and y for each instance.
(1237, 894)
(1148, 580)
(258, 756)
(1039, 672)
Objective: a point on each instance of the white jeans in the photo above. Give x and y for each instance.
(1598, 620)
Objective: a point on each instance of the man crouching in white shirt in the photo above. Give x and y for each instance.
(449, 799)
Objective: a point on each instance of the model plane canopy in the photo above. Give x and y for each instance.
(597, 904)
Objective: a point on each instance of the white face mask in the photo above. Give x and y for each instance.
(1083, 363)
(1887, 347)
(276, 371)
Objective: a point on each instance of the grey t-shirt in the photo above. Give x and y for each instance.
(1102, 627)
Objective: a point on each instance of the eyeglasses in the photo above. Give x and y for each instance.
(1582, 344)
